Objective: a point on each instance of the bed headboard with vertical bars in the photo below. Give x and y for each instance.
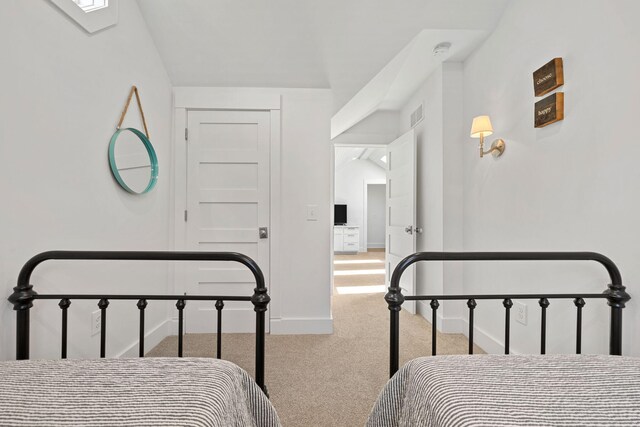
(615, 294)
(24, 295)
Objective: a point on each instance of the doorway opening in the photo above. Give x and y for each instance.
(359, 220)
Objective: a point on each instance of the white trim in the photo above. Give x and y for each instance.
(485, 341)
(375, 140)
(179, 180)
(179, 177)
(457, 325)
(215, 98)
(451, 325)
(333, 195)
(151, 338)
(300, 326)
(367, 145)
(446, 325)
(91, 22)
(332, 209)
(365, 213)
(423, 309)
(275, 173)
(91, 6)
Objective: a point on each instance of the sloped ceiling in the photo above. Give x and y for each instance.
(344, 155)
(403, 75)
(338, 44)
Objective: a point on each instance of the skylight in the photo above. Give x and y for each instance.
(91, 5)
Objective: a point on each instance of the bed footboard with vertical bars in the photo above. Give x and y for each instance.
(24, 296)
(615, 294)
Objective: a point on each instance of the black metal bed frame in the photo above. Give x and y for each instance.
(615, 295)
(24, 295)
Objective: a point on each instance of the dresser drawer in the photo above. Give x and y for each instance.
(351, 238)
(350, 247)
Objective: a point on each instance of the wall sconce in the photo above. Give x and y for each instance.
(480, 128)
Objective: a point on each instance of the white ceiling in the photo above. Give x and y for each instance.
(345, 155)
(338, 44)
(392, 87)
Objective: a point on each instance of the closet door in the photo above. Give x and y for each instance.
(227, 202)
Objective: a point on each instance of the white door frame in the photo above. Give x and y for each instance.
(365, 207)
(332, 168)
(186, 99)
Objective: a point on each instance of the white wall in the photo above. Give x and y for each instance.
(63, 91)
(381, 127)
(349, 190)
(439, 198)
(376, 207)
(304, 293)
(301, 248)
(570, 186)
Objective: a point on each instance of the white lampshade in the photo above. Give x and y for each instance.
(481, 126)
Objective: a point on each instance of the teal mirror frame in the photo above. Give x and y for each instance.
(152, 158)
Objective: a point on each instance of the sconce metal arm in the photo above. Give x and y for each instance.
(497, 147)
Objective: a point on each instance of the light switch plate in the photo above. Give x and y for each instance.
(312, 212)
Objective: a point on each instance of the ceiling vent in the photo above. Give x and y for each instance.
(417, 116)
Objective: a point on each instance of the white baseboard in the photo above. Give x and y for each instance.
(457, 325)
(375, 245)
(485, 341)
(451, 325)
(151, 338)
(298, 326)
(204, 321)
(446, 325)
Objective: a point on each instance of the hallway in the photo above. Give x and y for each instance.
(360, 273)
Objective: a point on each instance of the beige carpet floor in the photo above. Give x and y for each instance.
(330, 380)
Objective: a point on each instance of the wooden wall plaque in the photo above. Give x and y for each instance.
(548, 77)
(549, 110)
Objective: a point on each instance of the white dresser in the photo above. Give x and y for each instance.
(346, 239)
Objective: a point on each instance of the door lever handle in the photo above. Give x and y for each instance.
(263, 232)
(409, 229)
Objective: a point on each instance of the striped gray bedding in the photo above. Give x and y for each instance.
(491, 390)
(131, 392)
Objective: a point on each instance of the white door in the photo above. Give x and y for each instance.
(227, 203)
(401, 210)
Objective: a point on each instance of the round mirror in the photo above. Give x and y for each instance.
(133, 161)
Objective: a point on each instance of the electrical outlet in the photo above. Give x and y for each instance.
(96, 322)
(520, 311)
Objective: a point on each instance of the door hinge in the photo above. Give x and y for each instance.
(186, 134)
(186, 215)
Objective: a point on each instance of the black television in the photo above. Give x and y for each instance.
(340, 215)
